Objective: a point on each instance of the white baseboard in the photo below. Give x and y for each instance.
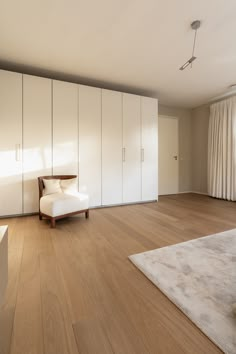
(202, 193)
(185, 192)
(195, 192)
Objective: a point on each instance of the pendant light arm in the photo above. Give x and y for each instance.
(194, 42)
(195, 25)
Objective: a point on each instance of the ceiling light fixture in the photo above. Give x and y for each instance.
(195, 25)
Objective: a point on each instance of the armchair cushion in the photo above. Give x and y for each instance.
(69, 186)
(51, 186)
(61, 204)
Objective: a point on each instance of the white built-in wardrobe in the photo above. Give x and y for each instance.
(107, 138)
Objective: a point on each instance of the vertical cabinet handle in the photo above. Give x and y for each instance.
(142, 154)
(123, 154)
(17, 152)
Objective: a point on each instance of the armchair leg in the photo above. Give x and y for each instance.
(40, 216)
(53, 223)
(87, 214)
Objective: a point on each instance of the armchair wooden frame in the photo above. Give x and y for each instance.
(53, 219)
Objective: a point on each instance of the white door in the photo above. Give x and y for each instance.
(10, 143)
(149, 148)
(65, 128)
(131, 148)
(90, 143)
(168, 155)
(111, 147)
(37, 136)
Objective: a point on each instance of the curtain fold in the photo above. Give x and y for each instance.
(222, 150)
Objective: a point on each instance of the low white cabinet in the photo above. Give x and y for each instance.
(3, 262)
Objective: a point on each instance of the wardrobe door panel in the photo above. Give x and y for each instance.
(149, 148)
(90, 143)
(37, 136)
(131, 148)
(111, 147)
(65, 128)
(10, 143)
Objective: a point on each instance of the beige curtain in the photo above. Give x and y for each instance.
(222, 150)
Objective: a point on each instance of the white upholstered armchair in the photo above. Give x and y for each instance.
(59, 198)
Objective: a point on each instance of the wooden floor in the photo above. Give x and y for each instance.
(73, 290)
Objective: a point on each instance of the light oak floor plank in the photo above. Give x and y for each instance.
(57, 329)
(27, 335)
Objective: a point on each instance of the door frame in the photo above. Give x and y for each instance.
(177, 120)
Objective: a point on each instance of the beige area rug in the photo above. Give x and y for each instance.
(199, 277)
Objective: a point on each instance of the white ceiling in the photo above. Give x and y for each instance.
(137, 45)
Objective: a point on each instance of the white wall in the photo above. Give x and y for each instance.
(200, 121)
